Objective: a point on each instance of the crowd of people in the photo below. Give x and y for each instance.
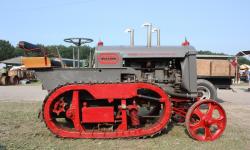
(244, 73)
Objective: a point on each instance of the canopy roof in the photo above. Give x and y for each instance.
(243, 53)
(244, 66)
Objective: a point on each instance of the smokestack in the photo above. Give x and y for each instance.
(149, 33)
(158, 36)
(131, 31)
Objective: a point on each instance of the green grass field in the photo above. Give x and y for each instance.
(21, 129)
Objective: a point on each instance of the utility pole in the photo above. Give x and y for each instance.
(74, 65)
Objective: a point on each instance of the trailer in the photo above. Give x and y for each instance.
(214, 71)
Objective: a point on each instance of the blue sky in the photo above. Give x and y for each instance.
(217, 25)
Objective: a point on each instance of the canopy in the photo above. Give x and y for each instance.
(243, 53)
(244, 66)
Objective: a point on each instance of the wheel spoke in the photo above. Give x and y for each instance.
(196, 126)
(219, 122)
(198, 112)
(208, 134)
(211, 108)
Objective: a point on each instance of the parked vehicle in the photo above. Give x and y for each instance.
(11, 75)
(213, 71)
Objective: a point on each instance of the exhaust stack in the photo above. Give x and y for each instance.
(131, 31)
(158, 36)
(149, 33)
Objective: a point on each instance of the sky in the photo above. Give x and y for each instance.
(216, 25)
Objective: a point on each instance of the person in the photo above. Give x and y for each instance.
(248, 75)
(247, 72)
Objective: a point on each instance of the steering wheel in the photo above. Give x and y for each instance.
(78, 41)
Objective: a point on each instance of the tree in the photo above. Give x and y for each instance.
(18, 52)
(67, 52)
(6, 50)
(243, 60)
(206, 52)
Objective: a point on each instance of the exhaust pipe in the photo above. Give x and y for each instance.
(131, 31)
(158, 36)
(149, 33)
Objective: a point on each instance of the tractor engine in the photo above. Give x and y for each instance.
(165, 71)
(156, 70)
(167, 66)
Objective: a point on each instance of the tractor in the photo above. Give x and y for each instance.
(126, 92)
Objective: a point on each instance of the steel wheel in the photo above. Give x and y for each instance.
(205, 120)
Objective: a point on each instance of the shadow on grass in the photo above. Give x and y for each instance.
(187, 133)
(166, 130)
(219, 100)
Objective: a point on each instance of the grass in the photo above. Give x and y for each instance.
(21, 129)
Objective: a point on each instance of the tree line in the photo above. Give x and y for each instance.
(9, 51)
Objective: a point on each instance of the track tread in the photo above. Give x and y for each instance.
(130, 137)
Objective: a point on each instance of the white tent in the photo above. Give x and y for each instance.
(244, 66)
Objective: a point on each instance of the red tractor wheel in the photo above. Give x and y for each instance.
(205, 120)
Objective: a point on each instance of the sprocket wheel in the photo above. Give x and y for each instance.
(59, 107)
(205, 120)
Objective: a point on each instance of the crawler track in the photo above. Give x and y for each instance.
(106, 110)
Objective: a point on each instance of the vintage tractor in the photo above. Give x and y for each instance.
(127, 92)
(8, 76)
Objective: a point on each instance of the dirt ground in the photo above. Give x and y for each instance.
(20, 128)
(22, 93)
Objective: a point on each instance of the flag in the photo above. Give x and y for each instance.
(186, 42)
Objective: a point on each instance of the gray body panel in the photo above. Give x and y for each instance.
(125, 52)
(189, 73)
(145, 52)
(110, 66)
(59, 76)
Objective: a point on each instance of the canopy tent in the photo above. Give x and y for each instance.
(244, 66)
(243, 53)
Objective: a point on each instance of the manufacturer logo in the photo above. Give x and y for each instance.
(108, 58)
